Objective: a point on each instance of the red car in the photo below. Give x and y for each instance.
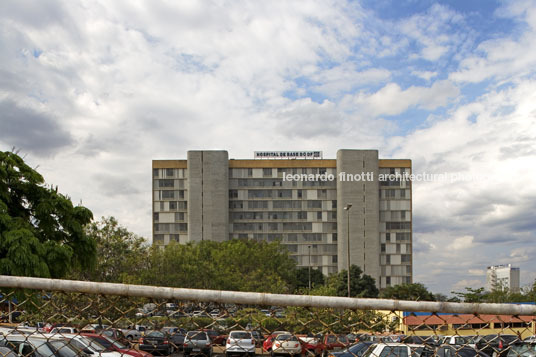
(333, 342)
(113, 345)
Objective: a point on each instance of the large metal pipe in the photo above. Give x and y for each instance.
(235, 297)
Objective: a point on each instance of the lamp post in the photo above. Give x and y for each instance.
(309, 267)
(347, 209)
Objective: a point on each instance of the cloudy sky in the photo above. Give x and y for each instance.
(92, 91)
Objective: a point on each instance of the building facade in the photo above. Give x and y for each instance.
(299, 202)
(502, 277)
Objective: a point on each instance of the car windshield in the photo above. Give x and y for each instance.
(358, 349)
(241, 335)
(197, 335)
(286, 338)
(65, 350)
(523, 350)
(342, 339)
(156, 334)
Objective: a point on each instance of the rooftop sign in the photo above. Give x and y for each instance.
(288, 155)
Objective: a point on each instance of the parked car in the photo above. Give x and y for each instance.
(7, 352)
(175, 335)
(523, 349)
(333, 343)
(118, 335)
(431, 341)
(458, 351)
(312, 345)
(197, 342)
(355, 350)
(496, 345)
(89, 346)
(258, 336)
(286, 344)
(156, 342)
(113, 345)
(267, 344)
(134, 333)
(215, 337)
(64, 330)
(40, 345)
(459, 341)
(395, 350)
(240, 343)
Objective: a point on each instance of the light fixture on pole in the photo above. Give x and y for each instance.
(347, 209)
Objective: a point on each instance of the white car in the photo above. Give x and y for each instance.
(459, 341)
(240, 343)
(89, 346)
(394, 350)
(286, 344)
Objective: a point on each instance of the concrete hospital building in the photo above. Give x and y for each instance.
(298, 198)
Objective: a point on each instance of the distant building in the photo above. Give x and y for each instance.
(502, 277)
(297, 198)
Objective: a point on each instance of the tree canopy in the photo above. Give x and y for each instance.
(42, 233)
(415, 291)
(121, 254)
(242, 265)
(361, 285)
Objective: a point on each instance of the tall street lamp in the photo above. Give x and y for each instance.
(309, 267)
(347, 209)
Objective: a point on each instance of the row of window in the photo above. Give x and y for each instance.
(171, 227)
(179, 216)
(394, 194)
(299, 215)
(404, 258)
(170, 195)
(398, 237)
(397, 225)
(174, 205)
(285, 226)
(280, 204)
(169, 173)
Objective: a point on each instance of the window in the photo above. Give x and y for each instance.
(300, 193)
(382, 248)
(387, 259)
(169, 173)
(314, 204)
(334, 259)
(406, 258)
(165, 183)
(155, 216)
(233, 193)
(319, 215)
(155, 172)
(388, 280)
(250, 172)
(267, 172)
(334, 237)
(387, 237)
(172, 205)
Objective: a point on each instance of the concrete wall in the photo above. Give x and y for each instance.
(364, 214)
(208, 195)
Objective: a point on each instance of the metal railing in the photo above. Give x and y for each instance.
(143, 316)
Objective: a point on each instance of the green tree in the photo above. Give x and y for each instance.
(415, 291)
(241, 265)
(472, 295)
(41, 232)
(121, 255)
(361, 285)
(302, 278)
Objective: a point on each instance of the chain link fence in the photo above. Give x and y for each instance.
(45, 317)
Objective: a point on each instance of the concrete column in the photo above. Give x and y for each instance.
(360, 187)
(208, 195)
